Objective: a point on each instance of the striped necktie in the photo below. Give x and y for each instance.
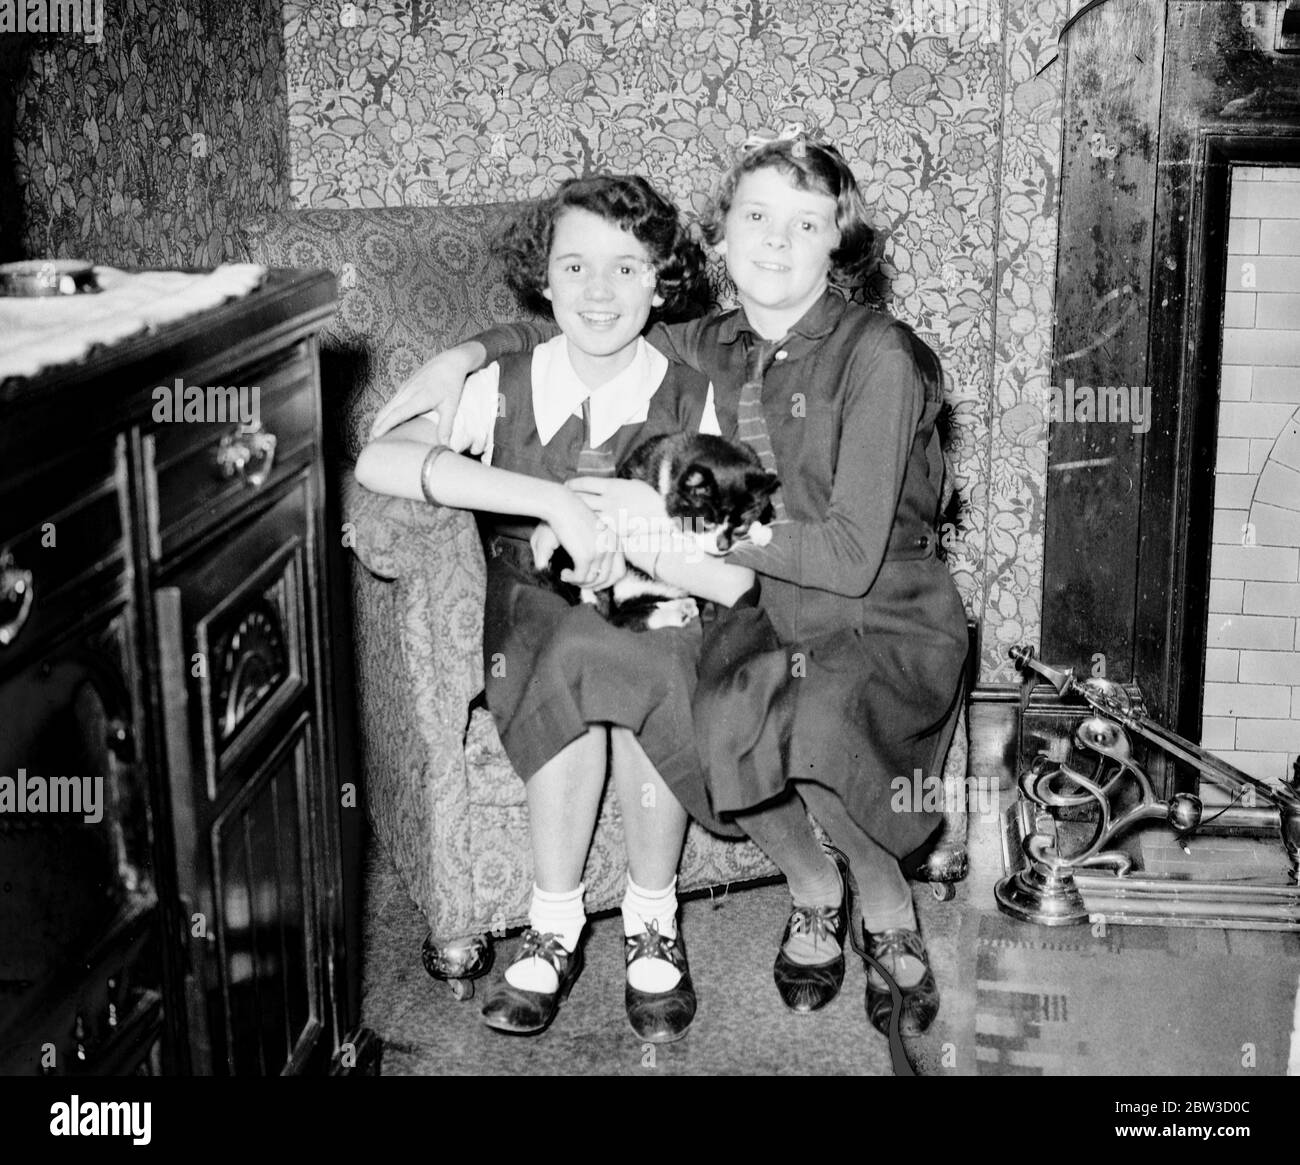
(751, 424)
(592, 462)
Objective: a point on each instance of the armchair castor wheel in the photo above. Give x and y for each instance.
(946, 865)
(458, 962)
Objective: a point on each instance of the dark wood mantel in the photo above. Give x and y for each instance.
(1161, 99)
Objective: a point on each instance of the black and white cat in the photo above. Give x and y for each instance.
(720, 493)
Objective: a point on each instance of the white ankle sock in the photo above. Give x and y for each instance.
(640, 908)
(560, 913)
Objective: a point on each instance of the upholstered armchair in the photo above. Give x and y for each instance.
(439, 791)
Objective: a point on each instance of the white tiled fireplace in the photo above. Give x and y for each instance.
(1251, 705)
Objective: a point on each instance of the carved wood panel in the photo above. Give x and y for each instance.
(268, 996)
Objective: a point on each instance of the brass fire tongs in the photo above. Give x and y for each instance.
(1044, 887)
(1110, 699)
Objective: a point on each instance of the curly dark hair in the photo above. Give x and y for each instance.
(524, 245)
(810, 165)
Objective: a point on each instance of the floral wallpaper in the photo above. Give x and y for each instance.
(1012, 491)
(192, 117)
(942, 114)
(150, 147)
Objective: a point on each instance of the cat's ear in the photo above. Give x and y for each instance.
(697, 483)
(761, 484)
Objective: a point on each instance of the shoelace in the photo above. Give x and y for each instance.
(650, 944)
(896, 944)
(819, 921)
(542, 946)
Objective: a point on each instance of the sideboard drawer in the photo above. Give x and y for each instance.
(60, 530)
(200, 470)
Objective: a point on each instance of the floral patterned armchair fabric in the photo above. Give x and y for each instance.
(439, 790)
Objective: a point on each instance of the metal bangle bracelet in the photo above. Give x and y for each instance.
(429, 459)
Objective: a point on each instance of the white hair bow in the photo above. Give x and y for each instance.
(790, 132)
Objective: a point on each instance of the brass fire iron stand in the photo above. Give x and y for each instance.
(1055, 888)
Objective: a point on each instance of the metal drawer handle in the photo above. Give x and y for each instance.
(241, 448)
(16, 586)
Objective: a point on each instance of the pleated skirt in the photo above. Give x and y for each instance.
(866, 710)
(553, 670)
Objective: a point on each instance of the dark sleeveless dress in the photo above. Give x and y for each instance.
(551, 670)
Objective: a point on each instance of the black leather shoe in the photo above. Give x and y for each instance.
(805, 987)
(659, 1017)
(520, 1012)
(917, 1005)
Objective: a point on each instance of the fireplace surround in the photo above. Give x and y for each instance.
(1161, 101)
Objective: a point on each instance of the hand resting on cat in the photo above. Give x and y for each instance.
(714, 489)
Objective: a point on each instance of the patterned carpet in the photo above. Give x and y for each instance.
(1132, 1001)
(1017, 999)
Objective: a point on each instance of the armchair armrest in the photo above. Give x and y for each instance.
(417, 595)
(392, 537)
(434, 557)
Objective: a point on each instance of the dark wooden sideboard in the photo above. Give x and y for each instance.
(168, 638)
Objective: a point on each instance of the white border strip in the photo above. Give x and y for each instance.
(1293, 1062)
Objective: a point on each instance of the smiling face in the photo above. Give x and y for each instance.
(601, 285)
(778, 240)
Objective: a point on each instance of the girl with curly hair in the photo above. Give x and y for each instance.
(568, 690)
(846, 680)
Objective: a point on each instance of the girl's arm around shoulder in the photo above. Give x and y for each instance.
(394, 463)
(385, 464)
(398, 464)
(884, 399)
(680, 342)
(519, 336)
